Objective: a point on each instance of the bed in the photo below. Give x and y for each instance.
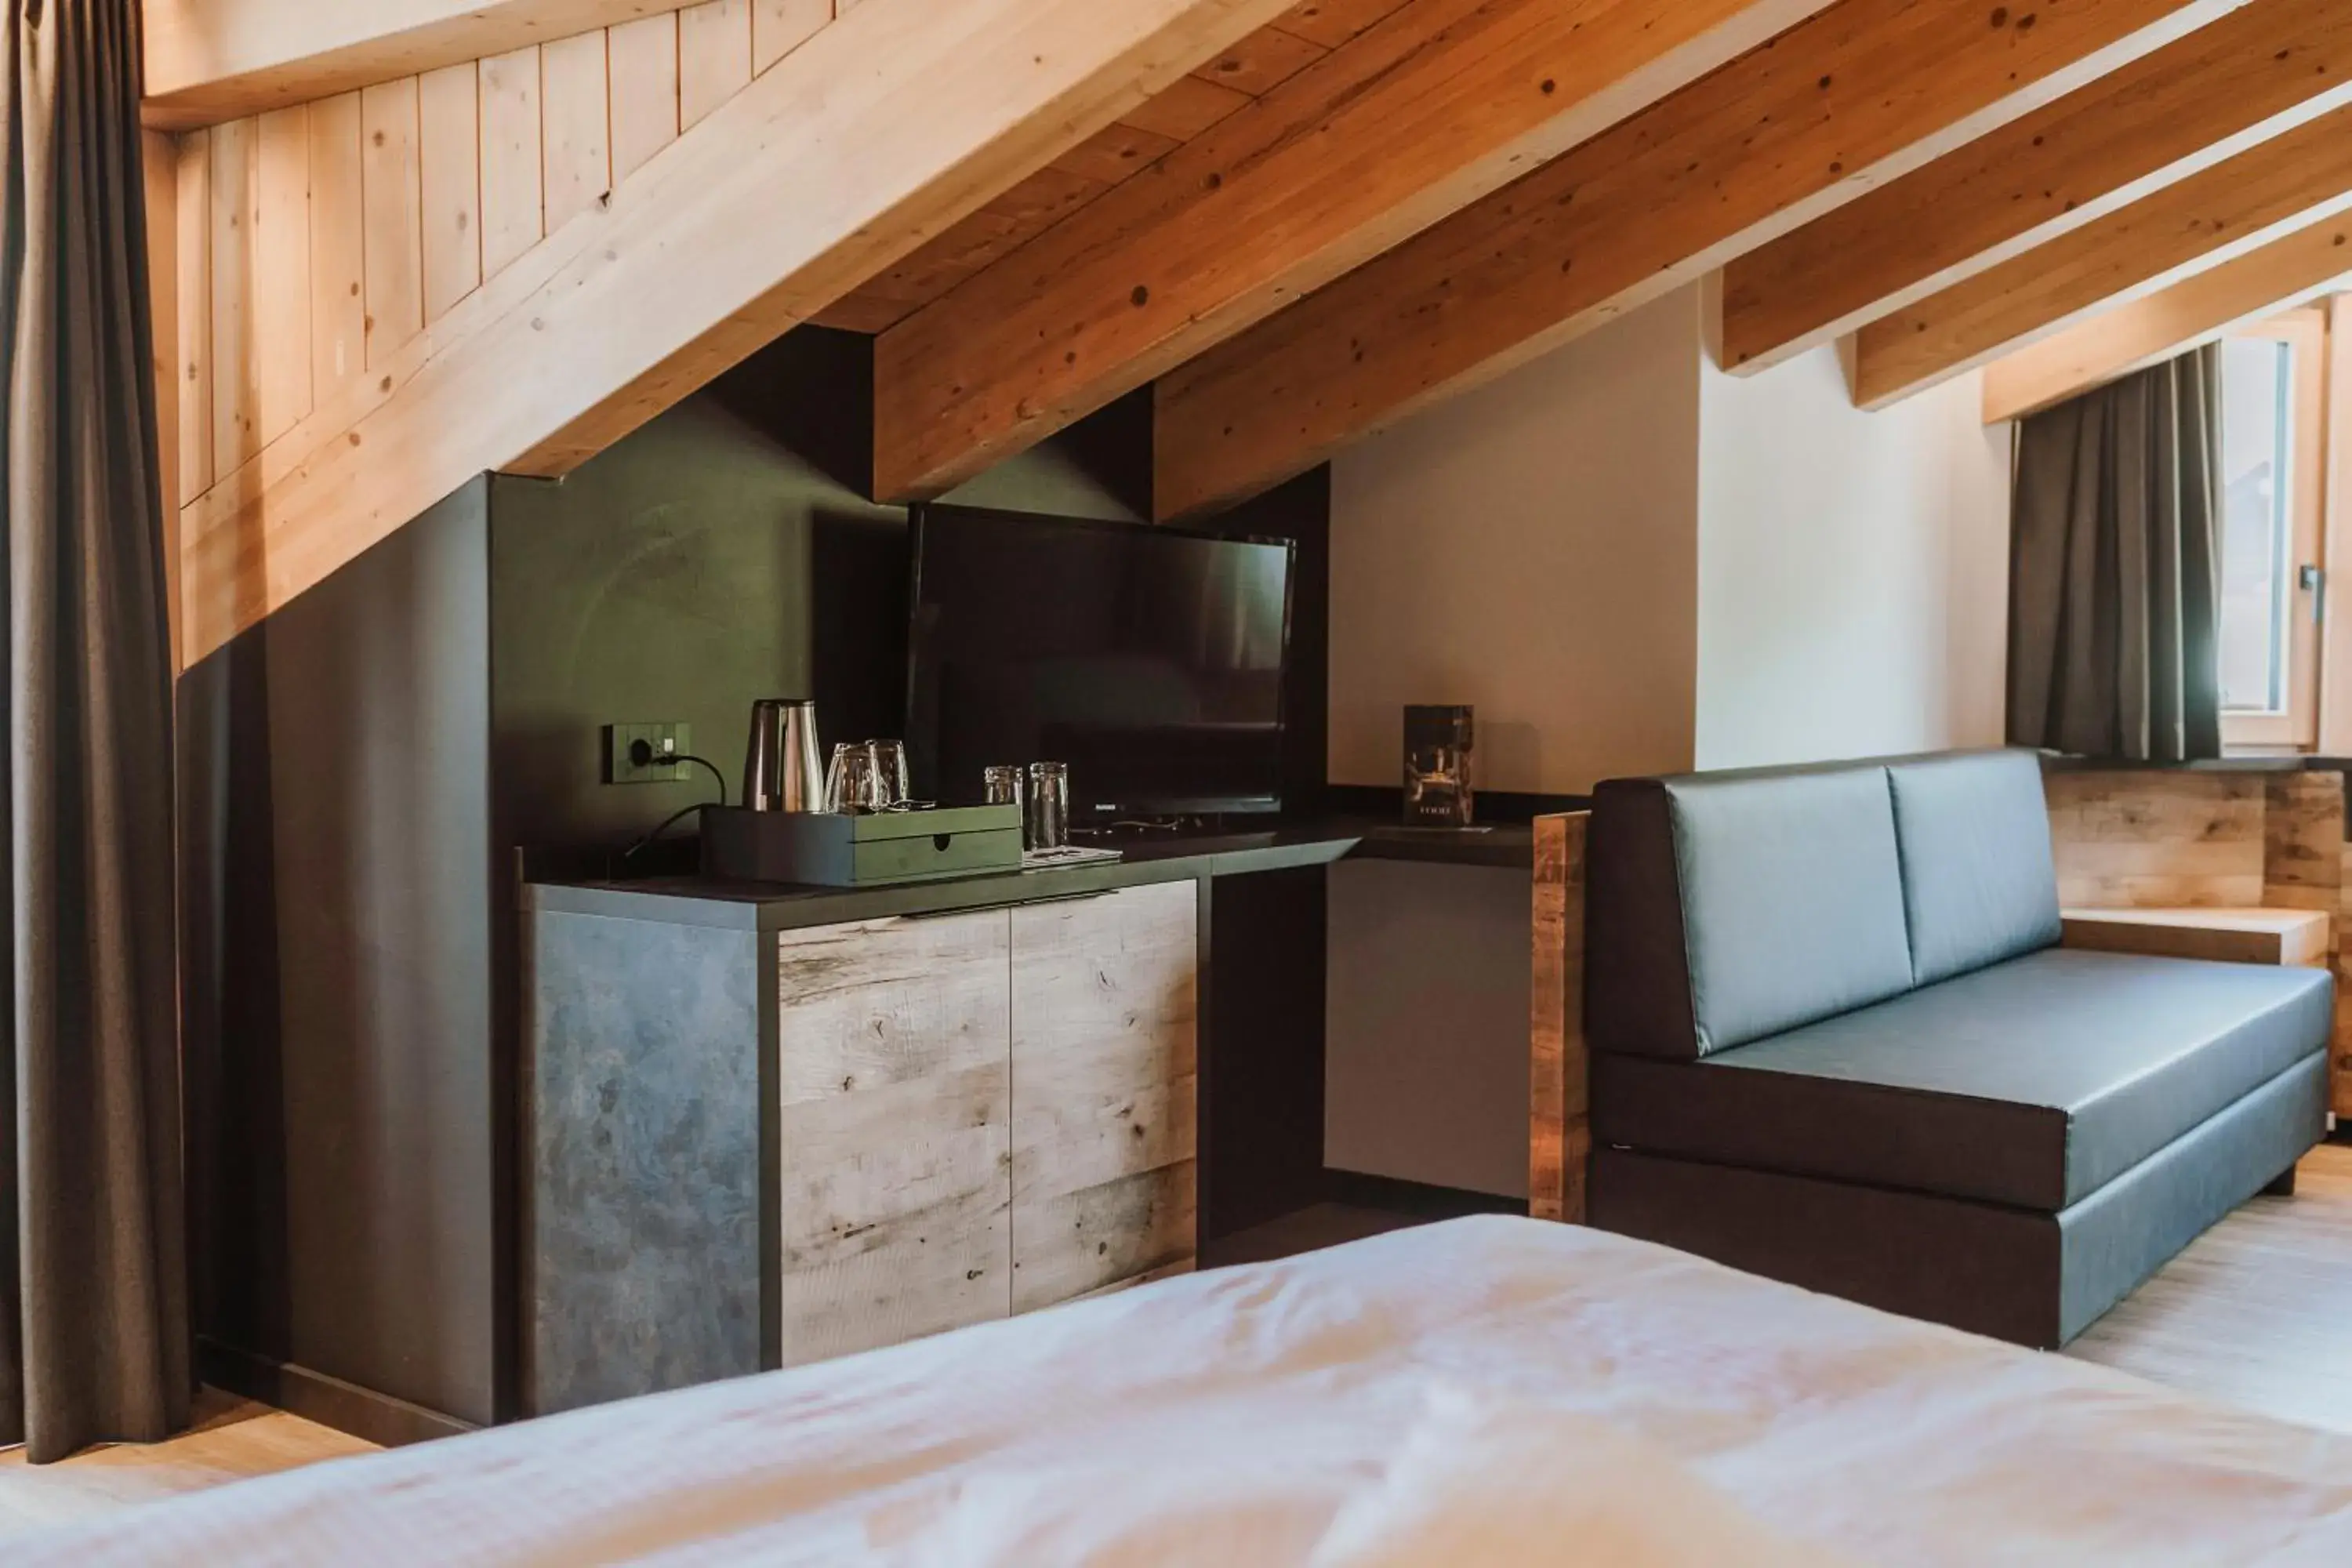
(1486, 1391)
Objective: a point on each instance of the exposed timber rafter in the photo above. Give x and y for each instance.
(1860, 93)
(2233, 209)
(2288, 272)
(2250, 76)
(1433, 106)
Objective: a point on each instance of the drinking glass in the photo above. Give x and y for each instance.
(849, 780)
(891, 785)
(1001, 786)
(1049, 806)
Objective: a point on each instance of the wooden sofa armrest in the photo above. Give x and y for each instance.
(2232, 935)
(1559, 1133)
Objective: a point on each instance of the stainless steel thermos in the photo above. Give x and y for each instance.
(781, 768)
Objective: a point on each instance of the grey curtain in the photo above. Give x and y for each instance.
(2114, 585)
(93, 1317)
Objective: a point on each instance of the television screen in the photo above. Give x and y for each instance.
(1148, 659)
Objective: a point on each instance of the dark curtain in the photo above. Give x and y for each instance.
(2114, 569)
(93, 1316)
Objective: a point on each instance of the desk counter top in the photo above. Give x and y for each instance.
(766, 906)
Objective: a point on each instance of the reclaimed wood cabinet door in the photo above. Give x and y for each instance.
(1105, 1108)
(894, 1190)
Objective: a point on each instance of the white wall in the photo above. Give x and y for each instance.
(1853, 582)
(1531, 548)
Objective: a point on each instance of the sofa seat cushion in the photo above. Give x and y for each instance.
(2032, 1083)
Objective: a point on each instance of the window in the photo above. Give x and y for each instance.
(2273, 462)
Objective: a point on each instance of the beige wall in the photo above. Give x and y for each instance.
(1531, 548)
(1629, 561)
(1853, 585)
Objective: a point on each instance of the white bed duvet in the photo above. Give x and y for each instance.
(1489, 1390)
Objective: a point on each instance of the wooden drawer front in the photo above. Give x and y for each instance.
(893, 1131)
(1105, 1109)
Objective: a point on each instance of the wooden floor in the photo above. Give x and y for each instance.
(233, 1438)
(2255, 1312)
(2252, 1314)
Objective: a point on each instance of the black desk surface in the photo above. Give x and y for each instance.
(768, 906)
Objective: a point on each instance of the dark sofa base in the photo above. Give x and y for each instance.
(2032, 1279)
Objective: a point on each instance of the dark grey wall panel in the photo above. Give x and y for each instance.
(339, 1021)
(1427, 1014)
(644, 1180)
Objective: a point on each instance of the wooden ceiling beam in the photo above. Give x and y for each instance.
(210, 60)
(2248, 77)
(746, 224)
(2229, 210)
(1428, 108)
(2301, 268)
(1861, 92)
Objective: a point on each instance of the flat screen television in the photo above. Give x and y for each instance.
(1150, 660)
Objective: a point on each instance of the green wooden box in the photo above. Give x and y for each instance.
(826, 850)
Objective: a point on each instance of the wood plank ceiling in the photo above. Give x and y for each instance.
(1239, 77)
(1345, 211)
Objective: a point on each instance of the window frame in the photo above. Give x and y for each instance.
(2295, 726)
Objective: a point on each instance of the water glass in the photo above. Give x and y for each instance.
(849, 781)
(1049, 806)
(1001, 786)
(892, 787)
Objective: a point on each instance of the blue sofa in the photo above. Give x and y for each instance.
(1835, 1041)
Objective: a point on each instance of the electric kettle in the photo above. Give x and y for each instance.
(781, 767)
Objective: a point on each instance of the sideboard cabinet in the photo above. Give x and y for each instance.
(956, 1117)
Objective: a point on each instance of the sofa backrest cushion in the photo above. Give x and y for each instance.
(1979, 882)
(1792, 899)
(1727, 908)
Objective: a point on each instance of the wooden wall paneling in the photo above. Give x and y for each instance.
(2302, 840)
(1435, 108)
(1860, 92)
(193, 315)
(575, 128)
(277, 337)
(643, 66)
(894, 1117)
(2155, 838)
(1560, 1134)
(2196, 310)
(511, 209)
(2303, 868)
(714, 56)
(2339, 1066)
(2297, 179)
(208, 60)
(393, 220)
(580, 340)
(2247, 76)
(1104, 1090)
(449, 163)
(158, 171)
(235, 186)
(338, 247)
(779, 27)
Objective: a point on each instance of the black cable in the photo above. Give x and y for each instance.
(722, 778)
(641, 753)
(664, 826)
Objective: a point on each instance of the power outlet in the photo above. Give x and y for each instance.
(667, 741)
